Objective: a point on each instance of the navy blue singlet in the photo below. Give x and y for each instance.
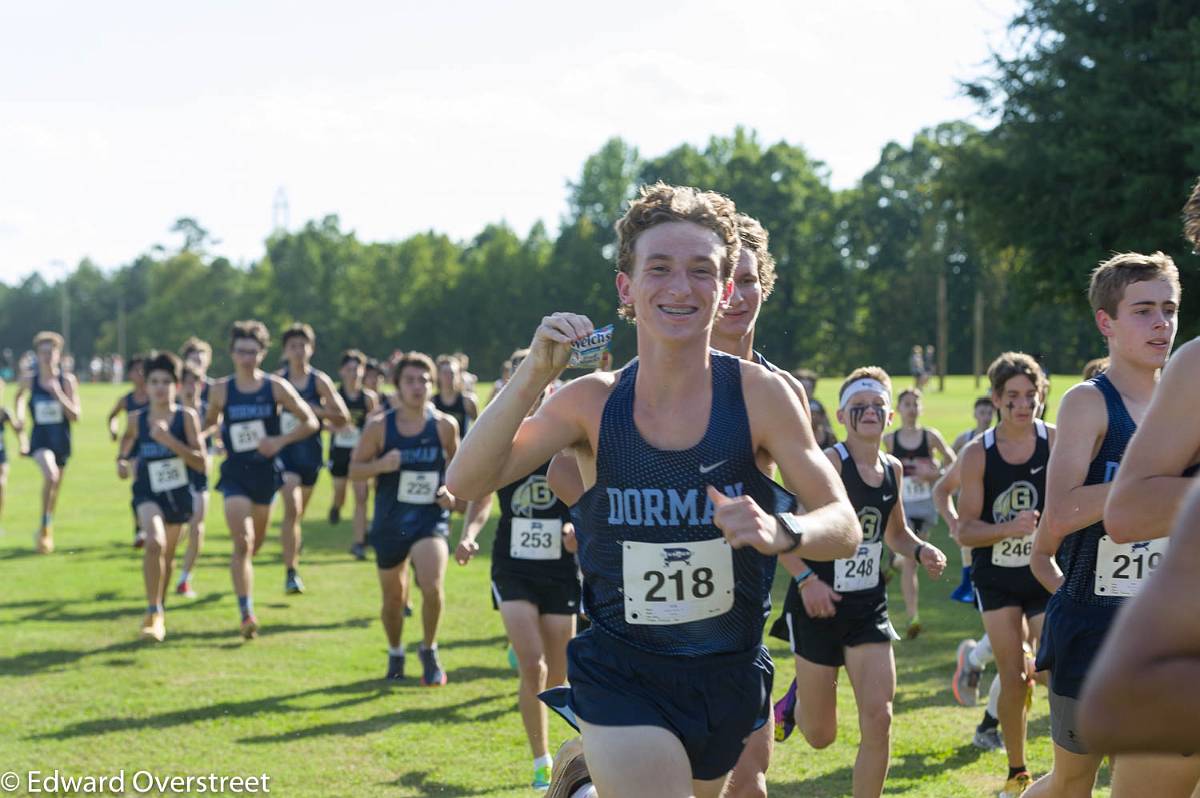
(51, 429)
(646, 527)
(405, 503)
(248, 409)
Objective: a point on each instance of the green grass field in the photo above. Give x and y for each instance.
(305, 702)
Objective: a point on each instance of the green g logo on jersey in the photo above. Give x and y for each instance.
(871, 521)
(534, 494)
(1020, 496)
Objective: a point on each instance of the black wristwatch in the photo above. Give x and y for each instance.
(790, 525)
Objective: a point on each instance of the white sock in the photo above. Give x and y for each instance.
(993, 707)
(398, 651)
(981, 655)
(543, 761)
(586, 791)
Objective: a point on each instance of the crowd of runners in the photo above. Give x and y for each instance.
(643, 512)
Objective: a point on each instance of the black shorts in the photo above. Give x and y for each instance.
(198, 480)
(308, 472)
(824, 640)
(1071, 637)
(3, 455)
(711, 703)
(550, 596)
(339, 461)
(391, 551)
(257, 481)
(995, 589)
(175, 505)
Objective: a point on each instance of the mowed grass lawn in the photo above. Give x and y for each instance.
(305, 702)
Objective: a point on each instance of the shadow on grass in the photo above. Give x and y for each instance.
(460, 713)
(39, 661)
(914, 767)
(60, 611)
(424, 785)
(344, 695)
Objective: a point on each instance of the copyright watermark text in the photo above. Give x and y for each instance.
(140, 782)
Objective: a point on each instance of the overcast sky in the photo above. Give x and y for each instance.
(116, 119)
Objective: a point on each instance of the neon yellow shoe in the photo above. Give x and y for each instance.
(1017, 785)
(541, 778)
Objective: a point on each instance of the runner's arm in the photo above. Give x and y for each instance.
(973, 531)
(290, 400)
(125, 447)
(365, 461)
(68, 395)
(902, 540)
(564, 478)
(1070, 505)
(1148, 490)
(474, 520)
(830, 526)
(1138, 696)
(194, 453)
(943, 496)
(448, 434)
(216, 404)
(504, 445)
(940, 445)
(112, 417)
(333, 409)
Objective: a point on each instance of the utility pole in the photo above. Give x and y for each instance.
(121, 325)
(943, 329)
(977, 356)
(66, 318)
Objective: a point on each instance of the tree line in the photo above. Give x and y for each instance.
(1094, 150)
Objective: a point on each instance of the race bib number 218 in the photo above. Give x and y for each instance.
(670, 583)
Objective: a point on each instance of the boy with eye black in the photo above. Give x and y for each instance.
(836, 612)
(1003, 491)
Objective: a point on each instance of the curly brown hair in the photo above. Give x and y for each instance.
(755, 240)
(1016, 364)
(661, 203)
(1191, 219)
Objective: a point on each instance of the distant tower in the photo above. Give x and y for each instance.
(279, 212)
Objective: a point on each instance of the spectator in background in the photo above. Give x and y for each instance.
(916, 366)
(822, 427)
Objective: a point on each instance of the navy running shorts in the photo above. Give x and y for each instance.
(1072, 634)
(257, 481)
(175, 505)
(392, 550)
(711, 703)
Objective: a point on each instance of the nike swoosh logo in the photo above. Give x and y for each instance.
(1035, 470)
(705, 469)
(887, 498)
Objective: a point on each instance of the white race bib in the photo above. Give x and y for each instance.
(50, 412)
(860, 572)
(287, 422)
(536, 539)
(670, 583)
(166, 475)
(418, 487)
(246, 435)
(916, 490)
(1121, 568)
(347, 438)
(1012, 552)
